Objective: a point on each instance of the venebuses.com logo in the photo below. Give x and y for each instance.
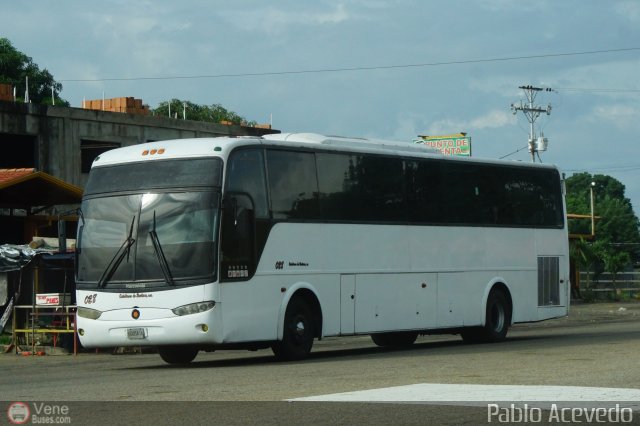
(19, 413)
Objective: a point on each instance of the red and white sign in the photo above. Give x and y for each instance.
(52, 299)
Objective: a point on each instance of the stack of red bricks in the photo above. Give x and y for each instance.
(127, 105)
(257, 126)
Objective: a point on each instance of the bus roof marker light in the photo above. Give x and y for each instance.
(217, 148)
(145, 152)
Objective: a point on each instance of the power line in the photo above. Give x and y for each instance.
(347, 69)
(514, 152)
(593, 89)
(618, 169)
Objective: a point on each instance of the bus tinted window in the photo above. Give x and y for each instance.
(245, 173)
(483, 194)
(423, 185)
(155, 174)
(381, 180)
(361, 188)
(531, 197)
(293, 185)
(337, 181)
(354, 187)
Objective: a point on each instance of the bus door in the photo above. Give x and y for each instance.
(238, 257)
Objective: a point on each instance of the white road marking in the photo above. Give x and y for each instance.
(481, 395)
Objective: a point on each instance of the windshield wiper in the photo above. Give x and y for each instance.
(162, 260)
(118, 257)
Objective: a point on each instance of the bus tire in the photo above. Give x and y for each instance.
(178, 354)
(402, 338)
(298, 332)
(497, 321)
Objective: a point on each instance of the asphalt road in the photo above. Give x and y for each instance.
(596, 346)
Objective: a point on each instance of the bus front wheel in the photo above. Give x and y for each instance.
(298, 332)
(498, 318)
(177, 354)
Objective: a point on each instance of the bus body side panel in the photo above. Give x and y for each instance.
(511, 254)
(404, 301)
(390, 263)
(457, 256)
(264, 292)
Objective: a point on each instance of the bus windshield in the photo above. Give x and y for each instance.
(183, 224)
(149, 225)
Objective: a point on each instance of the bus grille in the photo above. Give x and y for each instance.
(548, 280)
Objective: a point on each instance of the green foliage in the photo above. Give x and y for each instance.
(614, 259)
(617, 230)
(214, 113)
(15, 66)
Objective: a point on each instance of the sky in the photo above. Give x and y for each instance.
(365, 68)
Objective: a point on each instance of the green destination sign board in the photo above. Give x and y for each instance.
(459, 144)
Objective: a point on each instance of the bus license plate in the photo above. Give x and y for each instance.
(136, 333)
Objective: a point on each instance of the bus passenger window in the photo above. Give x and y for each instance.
(293, 185)
(245, 173)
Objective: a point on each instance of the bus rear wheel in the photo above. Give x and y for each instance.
(403, 338)
(177, 354)
(498, 318)
(298, 332)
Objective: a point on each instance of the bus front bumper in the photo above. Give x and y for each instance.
(179, 330)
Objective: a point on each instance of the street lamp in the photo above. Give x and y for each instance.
(593, 218)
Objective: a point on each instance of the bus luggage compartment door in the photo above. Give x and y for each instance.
(347, 304)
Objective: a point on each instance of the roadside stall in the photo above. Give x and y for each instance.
(37, 261)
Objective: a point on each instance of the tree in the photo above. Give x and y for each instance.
(214, 113)
(617, 230)
(15, 67)
(583, 255)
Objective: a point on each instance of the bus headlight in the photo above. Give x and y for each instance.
(89, 313)
(193, 308)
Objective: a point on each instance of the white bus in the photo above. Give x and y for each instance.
(274, 241)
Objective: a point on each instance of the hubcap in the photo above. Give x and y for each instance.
(298, 330)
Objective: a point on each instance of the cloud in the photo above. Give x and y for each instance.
(629, 10)
(272, 20)
(491, 120)
(612, 74)
(510, 5)
(624, 117)
(407, 127)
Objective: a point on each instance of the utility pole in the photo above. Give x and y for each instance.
(532, 112)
